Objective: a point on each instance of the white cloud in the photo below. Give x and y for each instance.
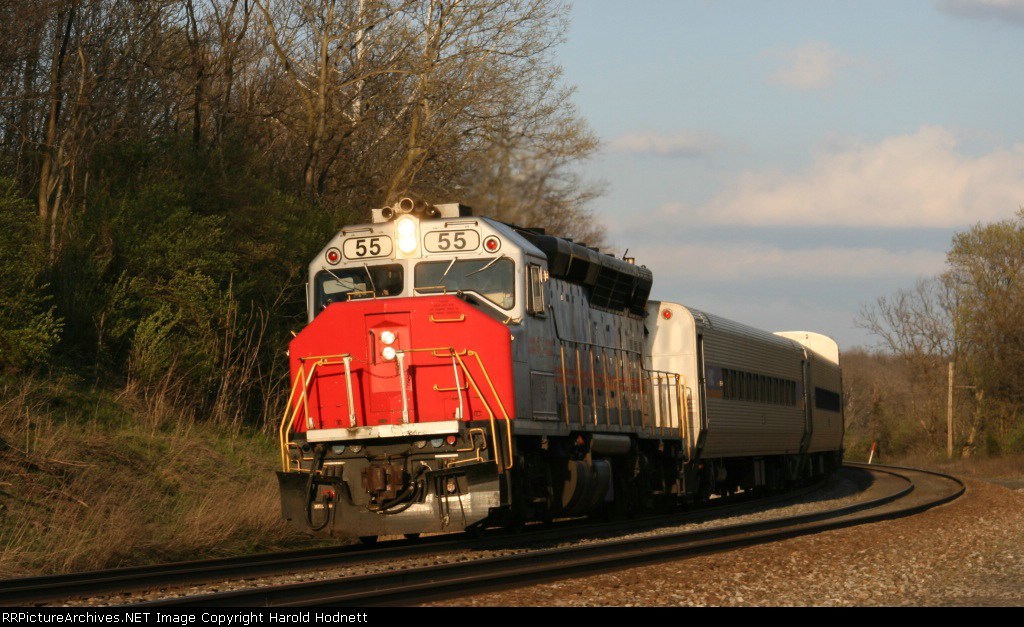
(1011, 11)
(917, 180)
(740, 261)
(812, 66)
(676, 144)
(771, 313)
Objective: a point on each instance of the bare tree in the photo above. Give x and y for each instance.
(916, 323)
(528, 171)
(476, 64)
(310, 40)
(50, 172)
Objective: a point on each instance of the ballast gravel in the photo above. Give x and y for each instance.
(969, 552)
(966, 553)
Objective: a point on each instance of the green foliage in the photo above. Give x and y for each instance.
(178, 216)
(179, 272)
(971, 315)
(987, 270)
(1015, 440)
(29, 326)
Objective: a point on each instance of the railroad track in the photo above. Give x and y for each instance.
(49, 588)
(445, 581)
(923, 491)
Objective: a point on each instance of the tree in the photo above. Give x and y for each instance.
(29, 326)
(528, 173)
(972, 315)
(987, 273)
(186, 158)
(917, 325)
(310, 39)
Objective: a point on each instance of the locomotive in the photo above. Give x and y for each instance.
(459, 372)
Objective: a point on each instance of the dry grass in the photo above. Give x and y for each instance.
(1008, 467)
(91, 479)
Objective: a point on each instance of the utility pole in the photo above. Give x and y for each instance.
(874, 422)
(874, 412)
(949, 415)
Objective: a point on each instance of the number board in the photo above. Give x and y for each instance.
(367, 247)
(451, 241)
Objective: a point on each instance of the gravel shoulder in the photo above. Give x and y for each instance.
(968, 552)
(850, 487)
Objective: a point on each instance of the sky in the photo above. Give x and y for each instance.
(786, 163)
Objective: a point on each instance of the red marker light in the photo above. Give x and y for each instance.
(333, 256)
(492, 244)
(450, 440)
(666, 314)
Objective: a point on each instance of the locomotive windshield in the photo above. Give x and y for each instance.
(343, 284)
(494, 279)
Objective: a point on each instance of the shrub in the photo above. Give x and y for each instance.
(29, 326)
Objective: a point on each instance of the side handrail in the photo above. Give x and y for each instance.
(299, 397)
(501, 406)
(301, 384)
(452, 352)
(457, 355)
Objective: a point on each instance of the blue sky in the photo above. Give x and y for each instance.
(785, 163)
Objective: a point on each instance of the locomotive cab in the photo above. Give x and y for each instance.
(414, 250)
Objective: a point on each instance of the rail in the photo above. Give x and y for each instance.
(451, 580)
(300, 391)
(621, 375)
(672, 400)
(126, 579)
(652, 398)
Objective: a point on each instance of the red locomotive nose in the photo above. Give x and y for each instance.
(407, 364)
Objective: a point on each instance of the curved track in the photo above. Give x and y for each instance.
(911, 491)
(36, 590)
(923, 491)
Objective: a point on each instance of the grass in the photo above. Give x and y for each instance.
(94, 479)
(1006, 467)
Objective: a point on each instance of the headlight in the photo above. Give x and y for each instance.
(407, 239)
(388, 337)
(388, 353)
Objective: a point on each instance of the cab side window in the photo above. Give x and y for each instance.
(535, 291)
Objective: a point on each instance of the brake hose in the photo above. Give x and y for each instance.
(318, 462)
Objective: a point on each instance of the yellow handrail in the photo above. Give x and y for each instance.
(490, 412)
(303, 380)
(293, 407)
(285, 428)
